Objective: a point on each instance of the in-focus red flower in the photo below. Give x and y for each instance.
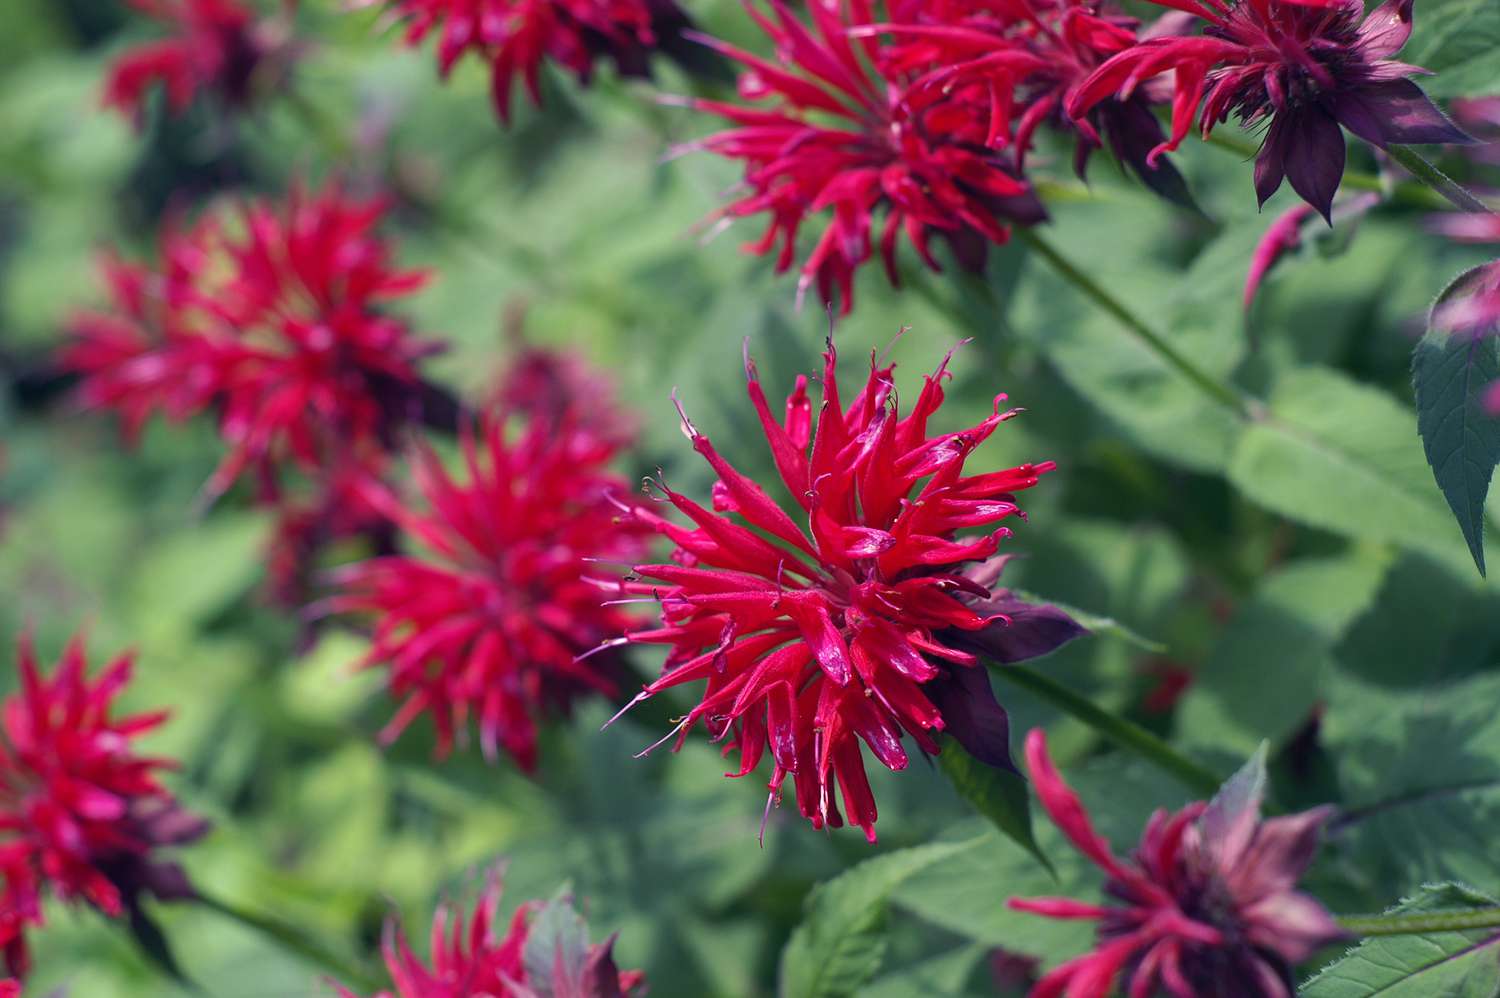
(849, 132)
(271, 318)
(80, 813)
(545, 951)
(1206, 905)
(1023, 60)
(515, 36)
(1302, 67)
(849, 622)
(221, 47)
(490, 620)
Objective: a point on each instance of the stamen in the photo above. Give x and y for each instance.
(642, 695)
(677, 730)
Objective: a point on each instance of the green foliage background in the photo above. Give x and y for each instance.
(1302, 561)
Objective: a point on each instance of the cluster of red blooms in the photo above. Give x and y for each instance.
(515, 37)
(491, 619)
(857, 626)
(80, 813)
(923, 120)
(218, 47)
(271, 318)
(545, 951)
(1207, 905)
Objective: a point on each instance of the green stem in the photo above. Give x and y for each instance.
(1421, 923)
(1123, 733)
(1225, 395)
(295, 940)
(1418, 166)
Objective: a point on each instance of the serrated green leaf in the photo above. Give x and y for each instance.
(841, 941)
(1434, 965)
(1000, 795)
(1450, 371)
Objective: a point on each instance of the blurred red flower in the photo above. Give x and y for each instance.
(272, 319)
(545, 951)
(1305, 66)
(80, 812)
(220, 47)
(854, 132)
(490, 620)
(1021, 62)
(515, 36)
(1208, 905)
(810, 641)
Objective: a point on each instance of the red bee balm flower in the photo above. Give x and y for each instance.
(274, 323)
(514, 36)
(219, 46)
(545, 951)
(80, 812)
(1306, 66)
(843, 140)
(811, 640)
(492, 620)
(1209, 905)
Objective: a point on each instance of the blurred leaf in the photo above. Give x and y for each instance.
(1432, 965)
(841, 941)
(1280, 640)
(1450, 372)
(1342, 457)
(1459, 40)
(1001, 795)
(187, 577)
(939, 976)
(1098, 624)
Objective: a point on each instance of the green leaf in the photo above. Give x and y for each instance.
(841, 942)
(557, 938)
(1436, 965)
(1000, 795)
(1097, 623)
(1341, 456)
(1459, 40)
(1450, 371)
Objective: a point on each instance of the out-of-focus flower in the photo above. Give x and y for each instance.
(273, 320)
(80, 813)
(335, 509)
(838, 139)
(545, 951)
(1286, 234)
(491, 620)
(854, 625)
(561, 385)
(515, 36)
(1023, 62)
(220, 47)
(1303, 66)
(1206, 905)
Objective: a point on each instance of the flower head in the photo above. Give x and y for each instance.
(850, 625)
(80, 812)
(1207, 903)
(545, 950)
(490, 620)
(850, 133)
(216, 46)
(515, 36)
(1301, 67)
(272, 319)
(1021, 62)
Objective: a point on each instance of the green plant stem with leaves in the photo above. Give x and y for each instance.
(1421, 923)
(296, 940)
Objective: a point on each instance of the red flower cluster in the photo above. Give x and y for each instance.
(218, 46)
(272, 319)
(491, 620)
(515, 36)
(1303, 66)
(79, 811)
(1209, 904)
(857, 144)
(811, 640)
(545, 940)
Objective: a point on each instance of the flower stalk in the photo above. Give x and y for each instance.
(294, 939)
(1223, 394)
(1421, 923)
(1124, 733)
